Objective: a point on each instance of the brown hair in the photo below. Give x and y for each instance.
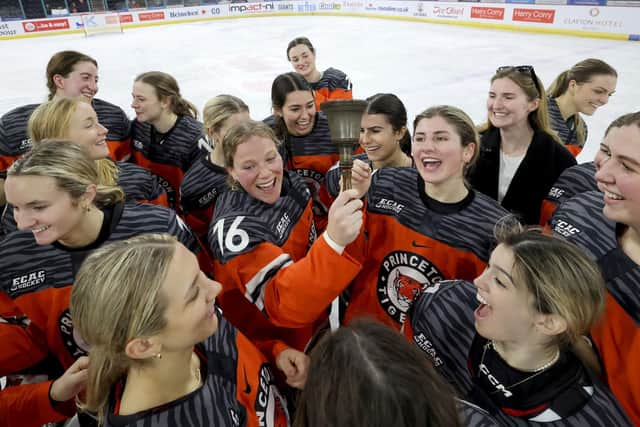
(367, 374)
(300, 40)
(166, 88)
(460, 121)
(628, 119)
(62, 63)
(582, 72)
(533, 89)
(282, 86)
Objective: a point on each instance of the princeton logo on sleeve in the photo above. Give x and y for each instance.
(74, 343)
(402, 277)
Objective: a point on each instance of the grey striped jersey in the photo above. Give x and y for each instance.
(202, 184)
(566, 129)
(27, 267)
(238, 390)
(137, 183)
(443, 328)
(581, 221)
(241, 222)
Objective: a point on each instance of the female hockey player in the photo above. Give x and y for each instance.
(273, 269)
(423, 224)
(63, 212)
(606, 224)
(207, 178)
(166, 138)
(70, 74)
(327, 85)
(521, 355)
(520, 157)
(74, 120)
(306, 143)
(172, 360)
(583, 88)
(384, 137)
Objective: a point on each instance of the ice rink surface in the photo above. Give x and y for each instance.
(424, 64)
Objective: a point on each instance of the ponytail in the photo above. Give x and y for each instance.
(105, 369)
(559, 85)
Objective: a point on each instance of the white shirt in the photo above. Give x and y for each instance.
(508, 167)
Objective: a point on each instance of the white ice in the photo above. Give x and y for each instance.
(424, 64)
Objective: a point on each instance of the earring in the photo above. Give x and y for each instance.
(158, 356)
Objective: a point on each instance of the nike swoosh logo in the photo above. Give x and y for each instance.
(418, 245)
(247, 388)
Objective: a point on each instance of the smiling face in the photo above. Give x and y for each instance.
(303, 60)
(257, 167)
(593, 94)
(506, 311)
(191, 295)
(438, 152)
(82, 81)
(508, 105)
(377, 137)
(618, 175)
(146, 104)
(298, 112)
(85, 130)
(40, 206)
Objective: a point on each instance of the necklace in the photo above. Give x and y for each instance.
(535, 373)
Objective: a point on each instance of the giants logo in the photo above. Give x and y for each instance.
(402, 277)
(270, 406)
(72, 340)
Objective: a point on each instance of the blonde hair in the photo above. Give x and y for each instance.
(166, 88)
(460, 121)
(117, 296)
(51, 121)
(218, 109)
(562, 280)
(533, 89)
(582, 72)
(70, 166)
(239, 134)
(63, 63)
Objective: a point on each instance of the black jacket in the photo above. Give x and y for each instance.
(542, 165)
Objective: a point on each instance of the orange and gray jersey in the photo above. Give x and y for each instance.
(334, 84)
(138, 184)
(14, 141)
(201, 186)
(413, 242)
(238, 389)
(575, 180)
(35, 285)
(441, 324)
(311, 156)
(118, 126)
(170, 155)
(617, 336)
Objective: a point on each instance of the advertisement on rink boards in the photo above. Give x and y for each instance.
(609, 20)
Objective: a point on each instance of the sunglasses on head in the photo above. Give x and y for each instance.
(524, 69)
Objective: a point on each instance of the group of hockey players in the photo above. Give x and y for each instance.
(171, 272)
